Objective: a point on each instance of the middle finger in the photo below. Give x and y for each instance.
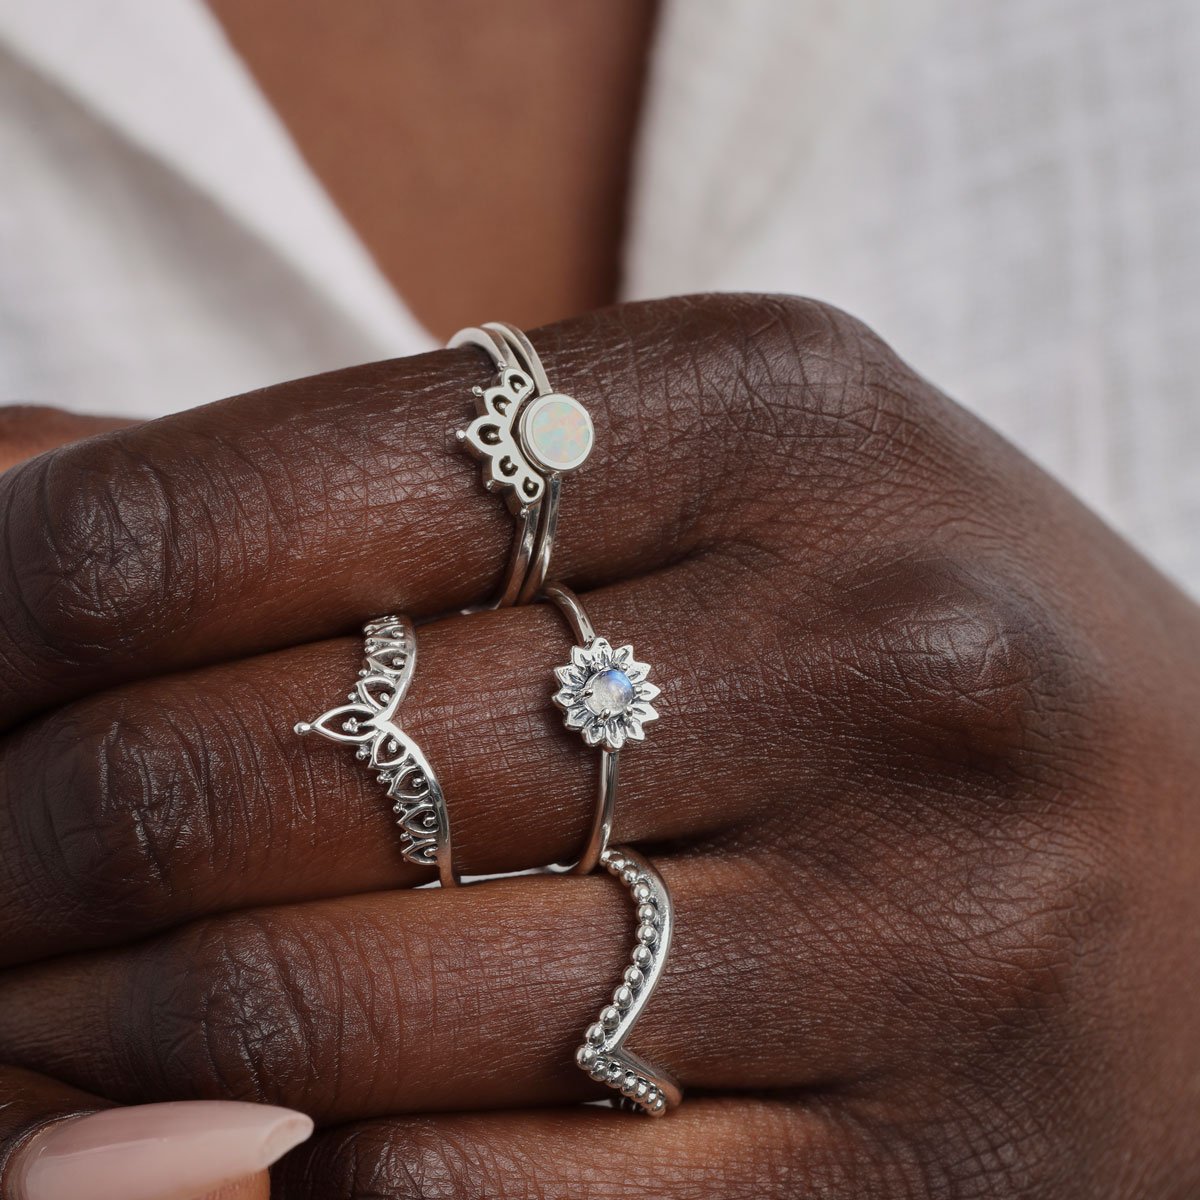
(175, 798)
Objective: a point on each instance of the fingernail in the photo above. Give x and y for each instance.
(155, 1151)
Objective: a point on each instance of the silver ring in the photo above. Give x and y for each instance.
(603, 1054)
(528, 437)
(369, 722)
(604, 696)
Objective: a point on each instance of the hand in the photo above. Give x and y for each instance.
(923, 788)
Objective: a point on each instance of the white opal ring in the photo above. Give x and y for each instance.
(605, 696)
(528, 437)
(369, 723)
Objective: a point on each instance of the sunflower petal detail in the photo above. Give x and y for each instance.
(593, 732)
(577, 717)
(647, 691)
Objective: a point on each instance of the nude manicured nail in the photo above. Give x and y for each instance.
(156, 1151)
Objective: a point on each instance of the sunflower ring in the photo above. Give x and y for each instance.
(605, 696)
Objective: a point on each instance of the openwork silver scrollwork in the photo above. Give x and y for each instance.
(369, 722)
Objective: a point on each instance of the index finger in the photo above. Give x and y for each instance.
(292, 513)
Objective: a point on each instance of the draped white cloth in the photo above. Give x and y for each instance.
(1008, 192)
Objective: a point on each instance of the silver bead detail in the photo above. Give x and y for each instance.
(595, 1034)
(610, 1017)
(623, 997)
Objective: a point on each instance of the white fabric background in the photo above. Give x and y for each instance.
(1007, 192)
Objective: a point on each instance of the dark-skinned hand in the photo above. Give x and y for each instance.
(924, 787)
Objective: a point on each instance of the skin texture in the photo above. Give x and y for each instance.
(923, 788)
(503, 132)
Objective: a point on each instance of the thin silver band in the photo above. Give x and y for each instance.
(510, 350)
(584, 632)
(603, 1054)
(369, 722)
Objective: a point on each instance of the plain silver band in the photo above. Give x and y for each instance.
(584, 632)
(508, 347)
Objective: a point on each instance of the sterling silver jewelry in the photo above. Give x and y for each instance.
(603, 1054)
(369, 722)
(605, 696)
(528, 437)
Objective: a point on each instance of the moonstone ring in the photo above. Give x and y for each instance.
(369, 722)
(605, 696)
(528, 437)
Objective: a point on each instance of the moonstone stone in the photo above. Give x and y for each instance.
(558, 432)
(610, 692)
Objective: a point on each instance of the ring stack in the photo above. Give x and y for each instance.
(605, 696)
(603, 1054)
(369, 723)
(528, 437)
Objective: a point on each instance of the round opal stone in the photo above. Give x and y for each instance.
(610, 692)
(557, 432)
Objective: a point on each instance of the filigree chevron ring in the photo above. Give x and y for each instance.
(528, 437)
(603, 1054)
(369, 722)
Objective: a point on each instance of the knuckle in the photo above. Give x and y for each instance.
(89, 557)
(114, 822)
(814, 369)
(810, 393)
(227, 1013)
(417, 1160)
(953, 666)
